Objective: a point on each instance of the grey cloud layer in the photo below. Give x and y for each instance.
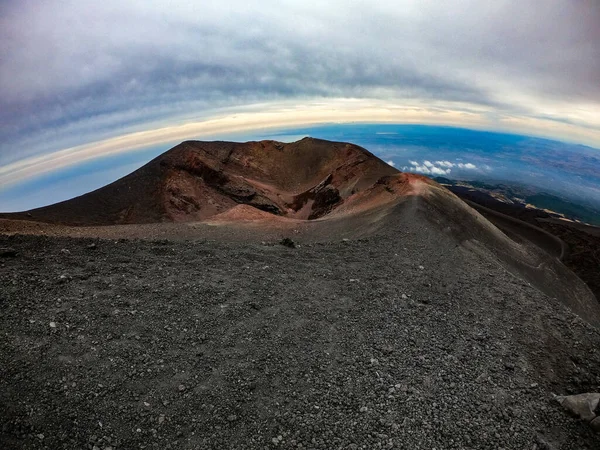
(70, 71)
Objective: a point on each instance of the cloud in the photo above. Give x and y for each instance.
(439, 167)
(429, 169)
(391, 163)
(438, 171)
(76, 74)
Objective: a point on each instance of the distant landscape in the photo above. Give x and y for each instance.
(526, 197)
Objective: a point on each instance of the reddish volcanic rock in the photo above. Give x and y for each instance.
(195, 181)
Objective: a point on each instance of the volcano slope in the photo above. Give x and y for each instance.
(196, 180)
(401, 319)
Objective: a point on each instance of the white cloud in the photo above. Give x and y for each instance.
(391, 163)
(427, 169)
(442, 167)
(439, 171)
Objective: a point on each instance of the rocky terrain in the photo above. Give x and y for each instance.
(401, 318)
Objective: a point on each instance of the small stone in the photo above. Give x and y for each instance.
(181, 388)
(40, 436)
(161, 419)
(287, 242)
(92, 246)
(52, 324)
(146, 404)
(404, 296)
(275, 441)
(421, 267)
(232, 418)
(363, 409)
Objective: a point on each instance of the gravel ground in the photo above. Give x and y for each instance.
(405, 339)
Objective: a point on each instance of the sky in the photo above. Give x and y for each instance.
(85, 81)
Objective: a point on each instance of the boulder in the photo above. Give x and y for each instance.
(581, 405)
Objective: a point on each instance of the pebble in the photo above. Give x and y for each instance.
(52, 324)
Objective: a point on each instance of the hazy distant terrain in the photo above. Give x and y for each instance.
(521, 196)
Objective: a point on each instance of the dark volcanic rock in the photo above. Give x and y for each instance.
(205, 344)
